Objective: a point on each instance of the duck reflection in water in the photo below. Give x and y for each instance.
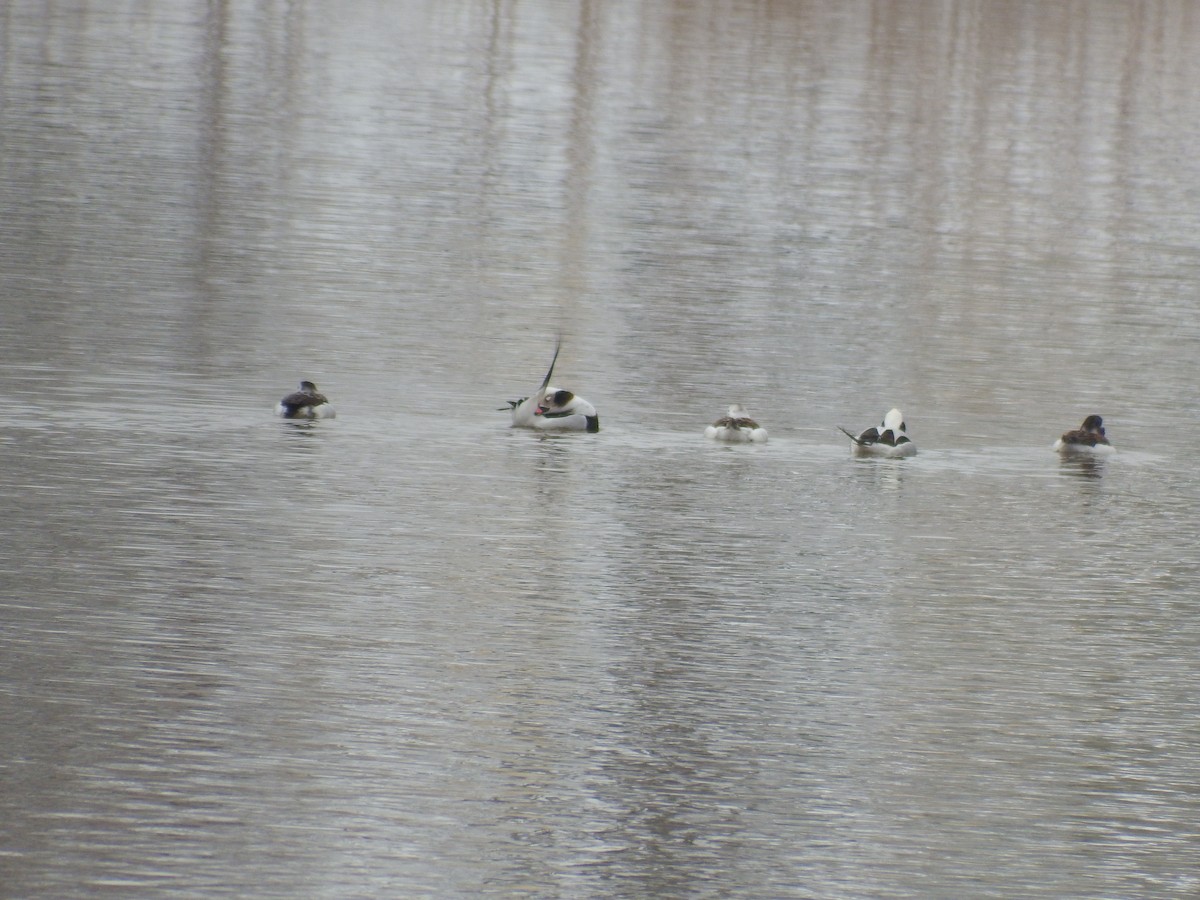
(1083, 465)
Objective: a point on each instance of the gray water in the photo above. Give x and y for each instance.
(411, 652)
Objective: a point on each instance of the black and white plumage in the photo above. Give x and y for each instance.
(305, 403)
(890, 439)
(554, 409)
(1087, 438)
(736, 428)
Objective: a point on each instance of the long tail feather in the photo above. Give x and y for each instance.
(852, 437)
(550, 371)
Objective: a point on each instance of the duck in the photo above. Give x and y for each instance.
(736, 428)
(890, 439)
(554, 409)
(305, 403)
(1087, 438)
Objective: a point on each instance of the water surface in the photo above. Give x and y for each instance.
(412, 652)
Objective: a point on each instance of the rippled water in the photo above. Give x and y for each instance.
(412, 652)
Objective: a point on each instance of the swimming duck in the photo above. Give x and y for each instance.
(554, 409)
(889, 439)
(1087, 438)
(736, 428)
(306, 403)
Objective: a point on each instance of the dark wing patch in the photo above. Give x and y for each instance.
(1081, 438)
(731, 422)
(1089, 434)
(298, 401)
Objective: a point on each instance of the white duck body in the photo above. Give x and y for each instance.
(305, 403)
(1087, 439)
(736, 428)
(554, 409)
(889, 440)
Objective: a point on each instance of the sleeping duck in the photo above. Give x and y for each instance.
(1087, 438)
(306, 403)
(736, 428)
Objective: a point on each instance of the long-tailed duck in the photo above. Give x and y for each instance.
(1087, 438)
(736, 428)
(306, 403)
(554, 409)
(889, 439)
